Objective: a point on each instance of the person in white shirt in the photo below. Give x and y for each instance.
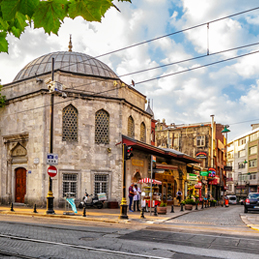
(136, 197)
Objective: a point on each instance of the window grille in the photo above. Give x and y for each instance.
(70, 124)
(102, 127)
(101, 184)
(130, 127)
(142, 132)
(69, 183)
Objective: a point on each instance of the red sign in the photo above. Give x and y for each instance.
(52, 171)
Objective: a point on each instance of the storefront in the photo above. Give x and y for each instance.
(168, 189)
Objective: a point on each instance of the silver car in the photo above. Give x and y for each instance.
(232, 199)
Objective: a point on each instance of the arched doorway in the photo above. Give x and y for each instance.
(20, 184)
(136, 177)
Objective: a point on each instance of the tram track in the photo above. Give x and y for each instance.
(80, 247)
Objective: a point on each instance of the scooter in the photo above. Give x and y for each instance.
(90, 201)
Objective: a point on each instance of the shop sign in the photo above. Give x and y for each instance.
(228, 168)
(204, 173)
(198, 186)
(193, 177)
(137, 162)
(215, 181)
(201, 155)
(212, 172)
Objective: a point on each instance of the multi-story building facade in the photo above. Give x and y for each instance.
(243, 157)
(196, 141)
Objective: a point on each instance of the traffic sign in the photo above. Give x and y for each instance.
(52, 159)
(52, 171)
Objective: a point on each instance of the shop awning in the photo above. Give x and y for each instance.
(148, 180)
(156, 151)
(166, 167)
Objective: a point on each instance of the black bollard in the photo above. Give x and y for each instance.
(181, 207)
(12, 207)
(155, 211)
(202, 204)
(172, 209)
(142, 213)
(84, 215)
(35, 210)
(196, 206)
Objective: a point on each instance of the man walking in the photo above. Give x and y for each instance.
(131, 195)
(179, 195)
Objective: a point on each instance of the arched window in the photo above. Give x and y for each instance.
(70, 123)
(102, 127)
(130, 127)
(142, 132)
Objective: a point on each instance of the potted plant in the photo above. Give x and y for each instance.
(189, 204)
(213, 203)
(162, 209)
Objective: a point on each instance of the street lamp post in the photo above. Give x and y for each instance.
(224, 131)
(50, 197)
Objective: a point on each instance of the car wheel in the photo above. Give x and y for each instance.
(245, 210)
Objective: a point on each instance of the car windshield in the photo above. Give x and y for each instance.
(232, 198)
(254, 196)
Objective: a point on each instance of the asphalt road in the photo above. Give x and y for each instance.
(211, 233)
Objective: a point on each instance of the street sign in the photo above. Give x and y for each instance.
(52, 159)
(52, 171)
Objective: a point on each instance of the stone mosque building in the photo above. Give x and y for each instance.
(89, 126)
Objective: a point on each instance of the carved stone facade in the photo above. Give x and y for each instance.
(83, 164)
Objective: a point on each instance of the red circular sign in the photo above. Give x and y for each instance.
(52, 171)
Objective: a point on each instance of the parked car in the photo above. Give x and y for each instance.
(232, 199)
(251, 203)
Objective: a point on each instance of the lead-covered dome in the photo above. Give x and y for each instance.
(67, 61)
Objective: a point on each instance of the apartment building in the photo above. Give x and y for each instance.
(242, 154)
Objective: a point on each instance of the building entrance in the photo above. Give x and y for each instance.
(20, 184)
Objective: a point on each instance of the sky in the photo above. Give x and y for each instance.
(228, 89)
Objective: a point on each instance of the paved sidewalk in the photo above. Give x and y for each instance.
(251, 221)
(101, 215)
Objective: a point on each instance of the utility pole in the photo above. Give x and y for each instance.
(50, 197)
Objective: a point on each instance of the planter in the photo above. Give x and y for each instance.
(188, 206)
(161, 210)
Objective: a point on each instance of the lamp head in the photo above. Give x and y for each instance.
(225, 130)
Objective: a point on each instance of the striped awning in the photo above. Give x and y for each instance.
(148, 180)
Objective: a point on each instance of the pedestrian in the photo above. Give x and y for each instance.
(131, 195)
(179, 195)
(136, 197)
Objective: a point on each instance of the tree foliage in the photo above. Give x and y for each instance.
(16, 15)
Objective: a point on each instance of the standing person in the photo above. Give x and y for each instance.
(131, 195)
(136, 197)
(179, 195)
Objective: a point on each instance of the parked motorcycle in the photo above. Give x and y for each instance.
(90, 201)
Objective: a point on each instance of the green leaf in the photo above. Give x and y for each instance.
(27, 7)
(3, 42)
(49, 15)
(90, 10)
(9, 9)
(3, 24)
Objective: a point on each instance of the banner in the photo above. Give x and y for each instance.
(72, 203)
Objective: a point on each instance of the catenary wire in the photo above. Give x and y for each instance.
(144, 81)
(167, 35)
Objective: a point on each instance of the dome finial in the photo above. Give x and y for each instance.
(70, 44)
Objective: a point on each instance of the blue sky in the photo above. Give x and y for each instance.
(229, 90)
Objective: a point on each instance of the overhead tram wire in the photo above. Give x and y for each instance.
(144, 81)
(164, 36)
(170, 64)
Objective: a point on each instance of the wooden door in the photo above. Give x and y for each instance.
(20, 185)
